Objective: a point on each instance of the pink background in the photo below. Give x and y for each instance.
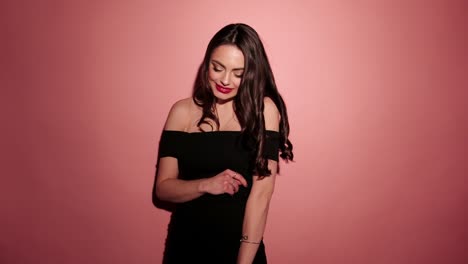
(376, 93)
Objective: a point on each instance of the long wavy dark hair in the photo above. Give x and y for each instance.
(256, 84)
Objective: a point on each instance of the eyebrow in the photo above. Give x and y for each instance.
(220, 64)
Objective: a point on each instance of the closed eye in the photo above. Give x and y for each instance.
(239, 73)
(216, 67)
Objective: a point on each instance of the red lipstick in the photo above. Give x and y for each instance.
(222, 89)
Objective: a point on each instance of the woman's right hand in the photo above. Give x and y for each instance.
(227, 181)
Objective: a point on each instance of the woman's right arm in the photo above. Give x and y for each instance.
(170, 188)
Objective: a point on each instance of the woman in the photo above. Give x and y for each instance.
(218, 154)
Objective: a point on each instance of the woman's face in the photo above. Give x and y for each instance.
(225, 71)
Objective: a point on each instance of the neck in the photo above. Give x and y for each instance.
(225, 113)
(224, 106)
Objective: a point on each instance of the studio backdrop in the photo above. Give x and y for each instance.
(376, 93)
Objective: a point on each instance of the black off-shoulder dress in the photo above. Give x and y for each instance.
(208, 229)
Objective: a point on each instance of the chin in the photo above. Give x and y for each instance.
(224, 97)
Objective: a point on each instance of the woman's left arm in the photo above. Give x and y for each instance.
(256, 210)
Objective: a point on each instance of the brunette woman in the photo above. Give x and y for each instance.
(218, 154)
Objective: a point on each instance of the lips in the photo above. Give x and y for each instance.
(223, 89)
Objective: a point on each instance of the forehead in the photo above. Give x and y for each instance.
(229, 56)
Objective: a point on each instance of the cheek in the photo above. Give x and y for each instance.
(237, 82)
(212, 76)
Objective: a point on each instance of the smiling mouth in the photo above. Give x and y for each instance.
(223, 89)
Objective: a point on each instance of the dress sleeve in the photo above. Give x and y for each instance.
(271, 147)
(170, 144)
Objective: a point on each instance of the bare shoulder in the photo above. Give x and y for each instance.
(178, 117)
(271, 114)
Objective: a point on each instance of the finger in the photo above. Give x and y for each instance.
(234, 185)
(240, 179)
(235, 175)
(229, 172)
(228, 188)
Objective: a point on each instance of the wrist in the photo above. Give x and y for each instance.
(202, 186)
(245, 239)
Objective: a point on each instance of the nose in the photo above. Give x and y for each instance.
(225, 79)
